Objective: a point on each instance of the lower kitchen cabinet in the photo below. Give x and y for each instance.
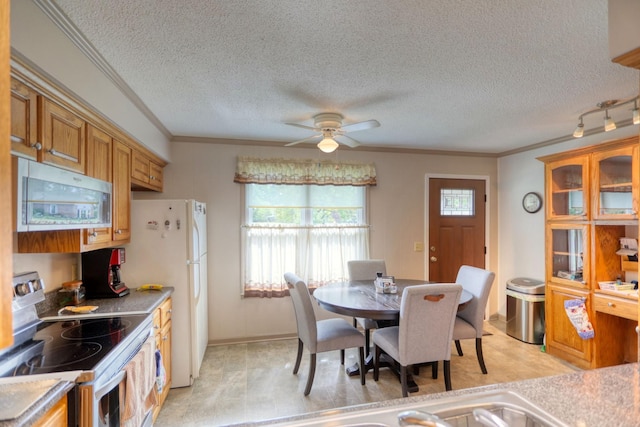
(54, 417)
(162, 328)
(561, 337)
(616, 340)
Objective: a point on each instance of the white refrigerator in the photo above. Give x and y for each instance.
(169, 247)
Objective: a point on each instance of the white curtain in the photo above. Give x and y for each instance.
(318, 254)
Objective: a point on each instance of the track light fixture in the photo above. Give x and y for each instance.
(609, 124)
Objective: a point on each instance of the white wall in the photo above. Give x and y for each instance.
(205, 172)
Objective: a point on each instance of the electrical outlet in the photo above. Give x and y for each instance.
(418, 246)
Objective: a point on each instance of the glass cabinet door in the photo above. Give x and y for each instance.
(615, 184)
(568, 257)
(567, 192)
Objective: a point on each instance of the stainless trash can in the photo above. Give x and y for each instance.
(525, 309)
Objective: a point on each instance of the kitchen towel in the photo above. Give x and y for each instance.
(161, 374)
(577, 312)
(140, 392)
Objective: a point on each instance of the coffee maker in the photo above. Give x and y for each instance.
(101, 273)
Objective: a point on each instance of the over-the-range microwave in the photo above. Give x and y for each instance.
(50, 198)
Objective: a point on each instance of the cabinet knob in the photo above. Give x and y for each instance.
(151, 177)
(94, 234)
(37, 146)
(610, 304)
(118, 231)
(164, 338)
(638, 329)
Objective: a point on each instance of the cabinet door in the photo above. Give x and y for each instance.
(63, 137)
(567, 189)
(24, 120)
(562, 339)
(615, 183)
(139, 167)
(99, 165)
(156, 176)
(568, 255)
(121, 221)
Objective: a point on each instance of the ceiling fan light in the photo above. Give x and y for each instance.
(609, 124)
(327, 145)
(579, 132)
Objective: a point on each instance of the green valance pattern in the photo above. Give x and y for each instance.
(303, 171)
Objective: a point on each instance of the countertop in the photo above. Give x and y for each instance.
(137, 302)
(46, 393)
(598, 397)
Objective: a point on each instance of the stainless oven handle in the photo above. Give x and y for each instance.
(110, 385)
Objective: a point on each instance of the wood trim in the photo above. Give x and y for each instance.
(629, 59)
(618, 143)
(6, 248)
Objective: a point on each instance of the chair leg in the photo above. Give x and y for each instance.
(483, 368)
(342, 356)
(312, 373)
(355, 322)
(362, 368)
(298, 357)
(434, 370)
(376, 362)
(403, 381)
(367, 340)
(459, 348)
(447, 375)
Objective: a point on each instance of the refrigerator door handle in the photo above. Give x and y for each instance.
(189, 262)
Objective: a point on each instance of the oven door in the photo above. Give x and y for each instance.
(106, 401)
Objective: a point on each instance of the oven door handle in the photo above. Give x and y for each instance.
(110, 385)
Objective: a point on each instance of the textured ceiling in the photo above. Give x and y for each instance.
(484, 76)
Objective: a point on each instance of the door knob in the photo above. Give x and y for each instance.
(433, 248)
(433, 259)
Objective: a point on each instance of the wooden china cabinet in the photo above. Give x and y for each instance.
(592, 202)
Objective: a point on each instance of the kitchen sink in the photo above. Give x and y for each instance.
(512, 408)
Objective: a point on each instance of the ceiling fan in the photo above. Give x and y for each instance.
(330, 129)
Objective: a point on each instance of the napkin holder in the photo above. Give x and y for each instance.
(386, 285)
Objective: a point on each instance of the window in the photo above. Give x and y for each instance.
(456, 202)
(312, 230)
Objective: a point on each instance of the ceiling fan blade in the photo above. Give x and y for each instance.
(301, 126)
(309, 139)
(354, 127)
(344, 139)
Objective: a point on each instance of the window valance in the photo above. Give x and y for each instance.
(303, 171)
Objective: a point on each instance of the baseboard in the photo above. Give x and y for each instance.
(247, 340)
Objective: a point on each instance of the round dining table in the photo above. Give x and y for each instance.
(358, 298)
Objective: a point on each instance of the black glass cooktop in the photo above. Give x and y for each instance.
(69, 345)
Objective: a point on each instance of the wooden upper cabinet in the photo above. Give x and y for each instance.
(24, 120)
(614, 180)
(63, 137)
(99, 165)
(567, 189)
(121, 220)
(145, 173)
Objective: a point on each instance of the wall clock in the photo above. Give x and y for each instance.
(532, 202)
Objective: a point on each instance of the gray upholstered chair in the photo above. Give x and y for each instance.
(470, 319)
(320, 335)
(427, 315)
(366, 270)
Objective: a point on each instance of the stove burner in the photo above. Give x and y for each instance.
(64, 355)
(113, 328)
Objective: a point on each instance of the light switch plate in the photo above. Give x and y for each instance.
(418, 246)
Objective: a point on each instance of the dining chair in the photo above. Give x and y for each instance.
(366, 269)
(424, 332)
(470, 320)
(320, 335)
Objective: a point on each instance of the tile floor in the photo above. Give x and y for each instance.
(250, 382)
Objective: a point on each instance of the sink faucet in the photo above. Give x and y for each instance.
(488, 419)
(419, 418)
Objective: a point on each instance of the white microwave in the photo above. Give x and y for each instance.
(51, 198)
